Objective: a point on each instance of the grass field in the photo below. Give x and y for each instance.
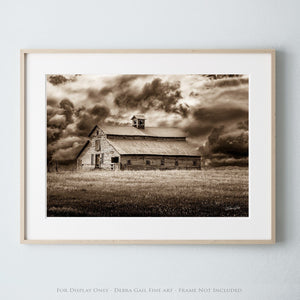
(215, 192)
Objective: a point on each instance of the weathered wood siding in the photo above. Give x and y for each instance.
(84, 160)
(106, 152)
(139, 162)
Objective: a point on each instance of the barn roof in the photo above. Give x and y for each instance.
(82, 149)
(148, 131)
(154, 147)
(139, 116)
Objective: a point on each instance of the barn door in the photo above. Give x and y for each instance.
(97, 165)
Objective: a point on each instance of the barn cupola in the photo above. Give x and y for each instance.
(138, 121)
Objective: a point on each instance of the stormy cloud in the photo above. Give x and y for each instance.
(223, 148)
(224, 82)
(219, 113)
(211, 109)
(157, 95)
(204, 119)
(88, 118)
(61, 79)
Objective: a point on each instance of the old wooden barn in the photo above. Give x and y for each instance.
(137, 147)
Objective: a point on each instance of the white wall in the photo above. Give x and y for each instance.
(261, 271)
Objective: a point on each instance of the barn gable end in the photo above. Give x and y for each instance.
(98, 153)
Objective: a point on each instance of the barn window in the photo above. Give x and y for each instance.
(115, 159)
(97, 145)
(148, 162)
(92, 159)
(128, 162)
(194, 163)
(141, 124)
(97, 132)
(176, 162)
(162, 162)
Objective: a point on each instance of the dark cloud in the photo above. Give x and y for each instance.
(214, 136)
(226, 82)
(197, 129)
(69, 153)
(234, 146)
(60, 79)
(53, 134)
(157, 95)
(221, 76)
(79, 110)
(85, 124)
(219, 114)
(57, 79)
(125, 81)
(59, 116)
(128, 93)
(225, 149)
(87, 119)
(206, 118)
(100, 111)
(221, 161)
(65, 142)
(68, 109)
(51, 101)
(113, 86)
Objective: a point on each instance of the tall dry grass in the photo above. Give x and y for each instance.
(215, 192)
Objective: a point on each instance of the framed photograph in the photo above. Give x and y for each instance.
(148, 146)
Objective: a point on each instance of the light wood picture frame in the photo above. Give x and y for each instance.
(254, 68)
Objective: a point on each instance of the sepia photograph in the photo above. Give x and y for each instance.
(147, 145)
